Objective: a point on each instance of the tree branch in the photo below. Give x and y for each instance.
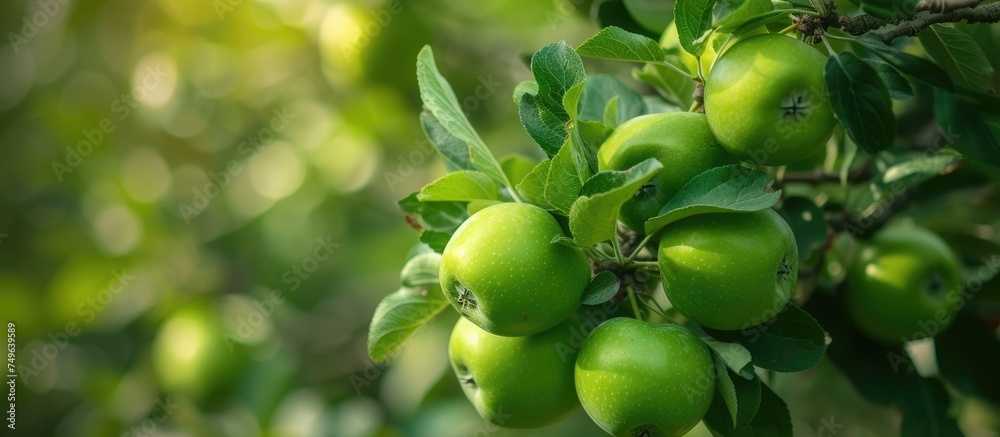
(861, 24)
(859, 174)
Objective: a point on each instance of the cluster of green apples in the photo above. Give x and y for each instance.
(517, 291)
(517, 350)
(525, 360)
(514, 351)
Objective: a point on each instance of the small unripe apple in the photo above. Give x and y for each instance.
(501, 270)
(681, 141)
(516, 382)
(767, 100)
(729, 271)
(903, 285)
(639, 379)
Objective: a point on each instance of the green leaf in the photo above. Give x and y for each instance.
(440, 100)
(899, 88)
(541, 126)
(435, 240)
(594, 215)
(435, 216)
(476, 205)
(693, 19)
(740, 27)
(657, 105)
(584, 156)
(792, 341)
(729, 188)
(621, 45)
(917, 67)
(861, 102)
(733, 355)
(610, 116)
(875, 370)
(967, 129)
(565, 241)
(525, 87)
(614, 13)
(601, 289)
(673, 86)
(917, 170)
(924, 403)
(557, 68)
(562, 183)
(598, 94)
(807, 223)
(402, 313)
(968, 354)
(652, 15)
(959, 55)
(593, 133)
(732, 14)
(741, 398)
(423, 269)
(453, 150)
(517, 166)
(532, 187)
(772, 418)
(571, 100)
(464, 185)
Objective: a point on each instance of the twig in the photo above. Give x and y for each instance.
(859, 174)
(861, 24)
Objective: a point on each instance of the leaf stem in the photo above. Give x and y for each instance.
(638, 248)
(663, 312)
(803, 12)
(789, 29)
(642, 264)
(618, 249)
(655, 311)
(842, 38)
(830, 49)
(631, 298)
(676, 68)
(701, 71)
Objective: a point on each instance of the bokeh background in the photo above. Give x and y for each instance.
(197, 212)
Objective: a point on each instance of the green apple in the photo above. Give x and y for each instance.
(681, 141)
(729, 271)
(190, 352)
(516, 382)
(502, 272)
(639, 379)
(903, 285)
(767, 101)
(670, 40)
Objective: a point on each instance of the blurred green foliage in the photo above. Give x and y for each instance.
(141, 139)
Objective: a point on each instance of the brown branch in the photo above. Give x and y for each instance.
(862, 173)
(861, 24)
